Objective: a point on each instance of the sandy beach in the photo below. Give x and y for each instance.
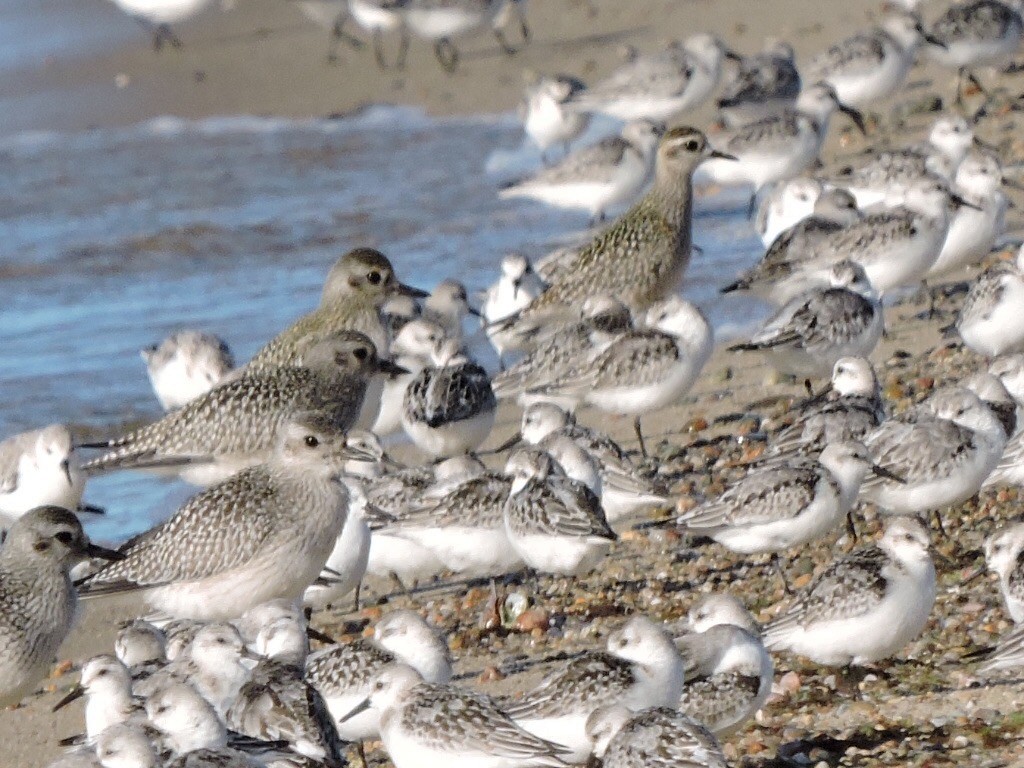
(265, 58)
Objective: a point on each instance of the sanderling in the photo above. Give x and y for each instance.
(357, 285)
(849, 411)
(40, 468)
(1004, 554)
(624, 490)
(728, 677)
(884, 173)
(439, 21)
(941, 452)
(465, 527)
(449, 406)
(780, 146)
(106, 684)
(1009, 369)
(260, 535)
(992, 392)
(236, 425)
(343, 673)
(976, 33)
(140, 643)
(158, 15)
(566, 350)
(554, 523)
(642, 668)
(546, 119)
(990, 321)
(789, 202)
(410, 350)
(871, 65)
(186, 365)
(810, 333)
(642, 256)
(37, 603)
(186, 720)
(518, 285)
(646, 369)
(448, 306)
(426, 725)
(865, 606)
(126, 746)
(778, 277)
(778, 506)
(660, 737)
(766, 84)
(599, 177)
(346, 565)
(720, 608)
(973, 231)
(659, 86)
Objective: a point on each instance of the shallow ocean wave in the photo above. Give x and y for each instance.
(111, 239)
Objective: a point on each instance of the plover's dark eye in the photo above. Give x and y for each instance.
(311, 441)
(361, 353)
(65, 537)
(374, 277)
(692, 145)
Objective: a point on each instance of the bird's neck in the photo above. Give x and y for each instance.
(672, 197)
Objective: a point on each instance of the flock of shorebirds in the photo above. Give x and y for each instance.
(301, 500)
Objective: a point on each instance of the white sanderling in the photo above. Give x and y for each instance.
(427, 725)
(410, 350)
(448, 306)
(865, 606)
(38, 600)
(1004, 555)
(40, 468)
(158, 15)
(186, 365)
(263, 534)
(465, 527)
(767, 83)
(518, 285)
(873, 180)
(187, 721)
(976, 33)
(992, 392)
(236, 425)
(659, 86)
(778, 506)
(343, 673)
(645, 369)
(640, 258)
(780, 146)
(546, 120)
(789, 202)
(778, 277)
(140, 643)
(941, 452)
(660, 737)
(810, 333)
(449, 406)
(441, 21)
(624, 490)
(990, 321)
(973, 231)
(872, 65)
(641, 668)
(720, 608)
(106, 685)
(565, 351)
(357, 285)
(126, 746)
(398, 557)
(597, 178)
(554, 523)
(728, 677)
(848, 411)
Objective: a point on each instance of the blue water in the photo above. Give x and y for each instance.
(110, 239)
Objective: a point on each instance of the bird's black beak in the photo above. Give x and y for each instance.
(888, 475)
(473, 312)
(66, 466)
(390, 368)
(959, 202)
(407, 290)
(512, 442)
(731, 55)
(360, 707)
(320, 637)
(933, 40)
(76, 692)
(855, 116)
(722, 155)
(95, 550)
(1013, 183)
